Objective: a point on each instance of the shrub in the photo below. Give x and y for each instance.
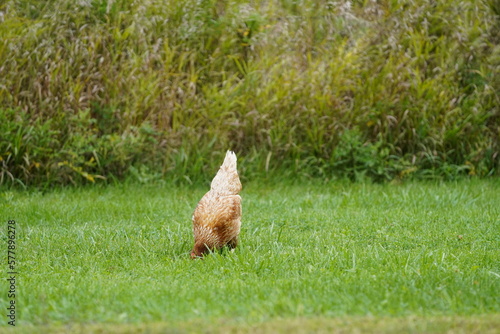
(153, 89)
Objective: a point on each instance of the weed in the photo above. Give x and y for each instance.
(157, 84)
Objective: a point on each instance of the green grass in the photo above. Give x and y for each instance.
(333, 254)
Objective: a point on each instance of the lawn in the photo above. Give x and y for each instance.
(418, 257)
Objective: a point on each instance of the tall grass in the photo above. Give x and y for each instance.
(107, 89)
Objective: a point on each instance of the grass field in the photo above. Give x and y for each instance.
(415, 257)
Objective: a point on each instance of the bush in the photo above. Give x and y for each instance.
(152, 90)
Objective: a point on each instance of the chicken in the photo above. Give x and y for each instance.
(217, 217)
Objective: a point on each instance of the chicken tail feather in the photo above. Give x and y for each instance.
(229, 161)
(226, 181)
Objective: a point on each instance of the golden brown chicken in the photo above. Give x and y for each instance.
(217, 218)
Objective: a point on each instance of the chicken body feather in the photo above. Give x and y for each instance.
(217, 217)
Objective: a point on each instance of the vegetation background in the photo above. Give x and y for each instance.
(98, 91)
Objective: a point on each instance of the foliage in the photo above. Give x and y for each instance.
(357, 89)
